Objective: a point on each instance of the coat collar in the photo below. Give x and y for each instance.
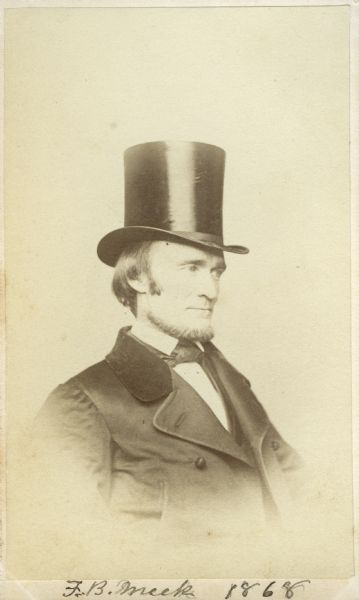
(140, 368)
(147, 377)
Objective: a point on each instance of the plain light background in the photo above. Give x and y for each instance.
(270, 86)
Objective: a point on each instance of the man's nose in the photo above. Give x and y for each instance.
(209, 286)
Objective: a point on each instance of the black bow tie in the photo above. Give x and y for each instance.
(185, 352)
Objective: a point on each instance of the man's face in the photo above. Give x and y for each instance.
(182, 289)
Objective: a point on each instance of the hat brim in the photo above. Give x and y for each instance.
(112, 244)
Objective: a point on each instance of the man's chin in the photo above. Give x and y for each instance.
(197, 335)
(192, 332)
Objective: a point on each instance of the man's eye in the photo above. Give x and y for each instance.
(217, 273)
(192, 268)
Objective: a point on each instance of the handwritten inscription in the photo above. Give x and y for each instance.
(244, 589)
(271, 589)
(126, 588)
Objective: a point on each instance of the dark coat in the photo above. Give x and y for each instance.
(154, 449)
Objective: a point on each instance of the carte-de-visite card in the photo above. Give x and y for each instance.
(178, 250)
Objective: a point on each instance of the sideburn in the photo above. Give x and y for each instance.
(154, 288)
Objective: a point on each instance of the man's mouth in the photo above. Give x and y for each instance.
(204, 310)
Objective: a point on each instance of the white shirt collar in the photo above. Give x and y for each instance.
(155, 337)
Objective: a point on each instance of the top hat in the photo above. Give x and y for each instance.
(173, 191)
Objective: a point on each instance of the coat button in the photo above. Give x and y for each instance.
(200, 462)
(275, 445)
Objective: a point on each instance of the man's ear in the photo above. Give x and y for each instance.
(140, 284)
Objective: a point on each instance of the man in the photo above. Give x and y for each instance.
(165, 428)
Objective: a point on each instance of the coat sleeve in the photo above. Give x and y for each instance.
(292, 465)
(68, 482)
(72, 442)
(288, 458)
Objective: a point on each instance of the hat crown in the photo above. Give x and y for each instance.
(173, 191)
(175, 186)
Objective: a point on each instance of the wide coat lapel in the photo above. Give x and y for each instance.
(251, 415)
(183, 413)
(255, 425)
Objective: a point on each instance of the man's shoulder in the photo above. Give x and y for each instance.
(93, 376)
(80, 393)
(87, 377)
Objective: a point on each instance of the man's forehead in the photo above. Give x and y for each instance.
(178, 252)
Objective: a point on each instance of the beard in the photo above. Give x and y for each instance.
(194, 334)
(202, 333)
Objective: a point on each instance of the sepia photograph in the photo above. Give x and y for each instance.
(178, 297)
